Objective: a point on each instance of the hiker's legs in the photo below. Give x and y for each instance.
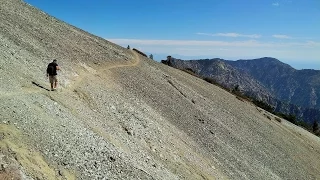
(55, 83)
(51, 79)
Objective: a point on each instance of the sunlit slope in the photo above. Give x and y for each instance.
(72, 132)
(240, 138)
(118, 115)
(30, 39)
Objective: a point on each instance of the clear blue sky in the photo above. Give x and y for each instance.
(233, 29)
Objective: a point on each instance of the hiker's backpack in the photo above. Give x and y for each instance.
(51, 69)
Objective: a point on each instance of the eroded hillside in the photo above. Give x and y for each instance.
(118, 115)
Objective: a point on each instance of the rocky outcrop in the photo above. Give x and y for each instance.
(138, 51)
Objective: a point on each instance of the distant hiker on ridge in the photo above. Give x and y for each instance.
(52, 74)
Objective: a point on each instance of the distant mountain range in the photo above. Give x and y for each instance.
(268, 79)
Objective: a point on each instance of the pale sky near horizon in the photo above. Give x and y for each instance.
(231, 29)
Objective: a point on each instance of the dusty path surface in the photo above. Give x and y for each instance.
(76, 83)
(81, 78)
(10, 135)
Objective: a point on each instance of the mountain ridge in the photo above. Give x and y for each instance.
(266, 79)
(267, 71)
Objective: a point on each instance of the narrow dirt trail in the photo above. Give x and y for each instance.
(76, 83)
(80, 79)
(136, 62)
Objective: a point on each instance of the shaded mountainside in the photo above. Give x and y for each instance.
(300, 87)
(226, 75)
(120, 115)
(287, 89)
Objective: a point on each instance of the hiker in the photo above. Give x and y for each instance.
(52, 74)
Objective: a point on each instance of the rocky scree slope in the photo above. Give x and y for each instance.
(118, 115)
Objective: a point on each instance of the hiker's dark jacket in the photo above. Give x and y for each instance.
(52, 69)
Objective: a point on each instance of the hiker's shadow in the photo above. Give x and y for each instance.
(40, 86)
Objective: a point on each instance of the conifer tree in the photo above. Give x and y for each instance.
(315, 126)
(151, 56)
